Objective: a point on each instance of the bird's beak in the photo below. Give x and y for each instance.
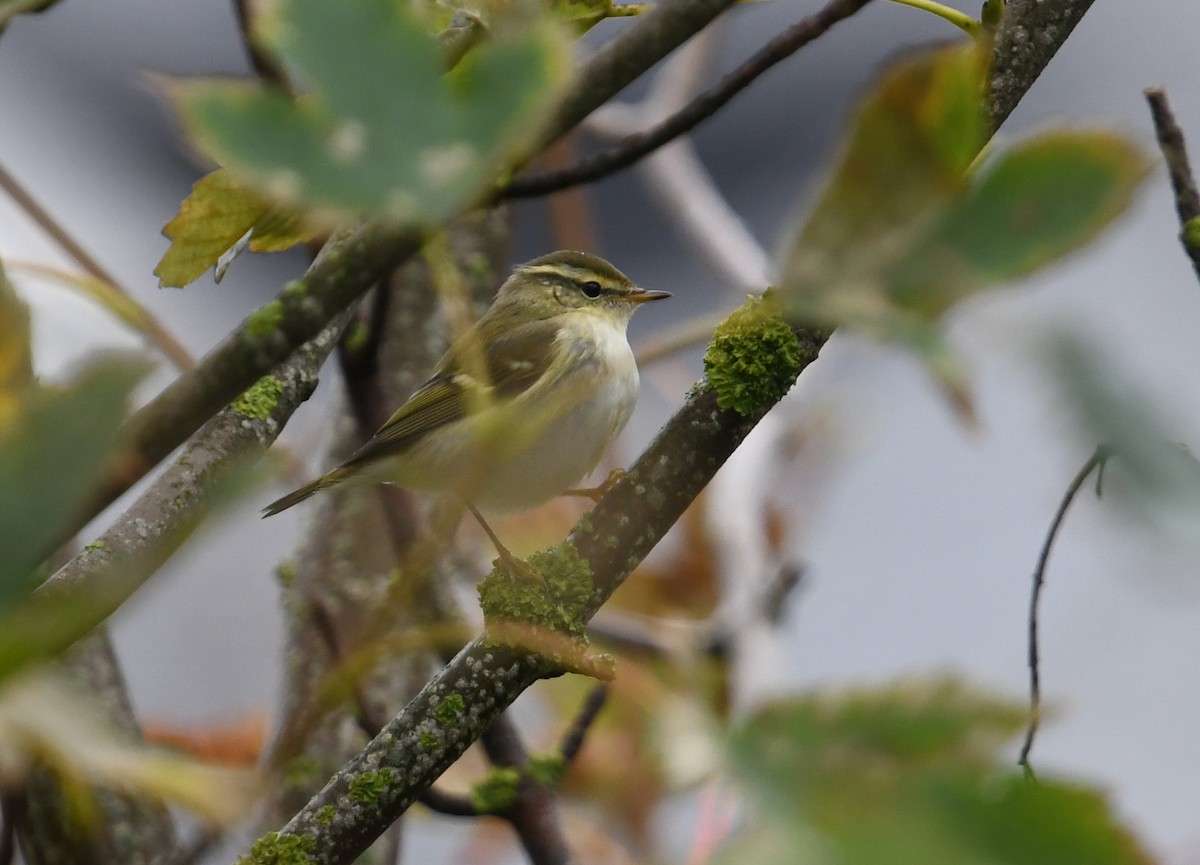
(642, 295)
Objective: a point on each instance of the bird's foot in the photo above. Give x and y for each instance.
(597, 493)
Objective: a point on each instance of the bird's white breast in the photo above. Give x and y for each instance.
(598, 395)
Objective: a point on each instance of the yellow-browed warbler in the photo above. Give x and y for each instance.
(524, 404)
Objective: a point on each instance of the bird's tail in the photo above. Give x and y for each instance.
(295, 497)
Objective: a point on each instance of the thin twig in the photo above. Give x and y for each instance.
(1094, 462)
(572, 740)
(152, 327)
(1183, 182)
(634, 147)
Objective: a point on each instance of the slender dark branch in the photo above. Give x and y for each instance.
(1095, 462)
(1174, 150)
(634, 147)
(572, 740)
(534, 813)
(449, 804)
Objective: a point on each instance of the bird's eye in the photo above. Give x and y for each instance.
(591, 288)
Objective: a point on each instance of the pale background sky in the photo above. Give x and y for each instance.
(920, 540)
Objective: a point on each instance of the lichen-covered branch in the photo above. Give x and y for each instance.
(1029, 36)
(455, 709)
(114, 565)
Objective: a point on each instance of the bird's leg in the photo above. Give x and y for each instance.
(512, 563)
(596, 493)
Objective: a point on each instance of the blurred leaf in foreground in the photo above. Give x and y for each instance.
(46, 724)
(16, 361)
(217, 213)
(381, 131)
(904, 230)
(51, 459)
(1157, 477)
(909, 774)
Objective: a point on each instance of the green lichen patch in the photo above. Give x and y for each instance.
(557, 601)
(264, 320)
(449, 709)
(277, 849)
(547, 769)
(260, 399)
(367, 788)
(325, 815)
(754, 358)
(428, 740)
(497, 791)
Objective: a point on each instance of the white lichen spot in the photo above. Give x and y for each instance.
(446, 163)
(348, 141)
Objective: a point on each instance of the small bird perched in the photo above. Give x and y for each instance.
(524, 403)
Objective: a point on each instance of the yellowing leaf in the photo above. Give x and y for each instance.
(218, 213)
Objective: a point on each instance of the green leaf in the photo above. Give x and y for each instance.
(381, 131)
(51, 459)
(217, 213)
(909, 774)
(902, 232)
(1032, 205)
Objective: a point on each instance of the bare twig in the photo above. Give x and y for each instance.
(1095, 462)
(1183, 182)
(572, 740)
(636, 146)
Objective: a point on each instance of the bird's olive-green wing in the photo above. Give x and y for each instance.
(513, 361)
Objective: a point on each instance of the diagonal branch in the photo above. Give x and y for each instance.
(635, 146)
(1029, 35)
